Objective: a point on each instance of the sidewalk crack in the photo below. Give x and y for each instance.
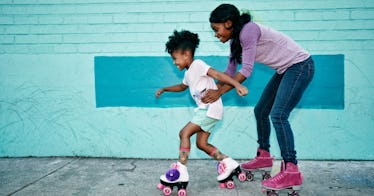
(46, 175)
(132, 169)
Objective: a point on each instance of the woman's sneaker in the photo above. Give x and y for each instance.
(262, 162)
(288, 178)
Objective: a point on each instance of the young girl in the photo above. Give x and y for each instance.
(250, 42)
(198, 77)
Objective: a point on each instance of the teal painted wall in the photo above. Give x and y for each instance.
(47, 89)
(115, 75)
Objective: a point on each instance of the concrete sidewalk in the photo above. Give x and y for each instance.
(104, 176)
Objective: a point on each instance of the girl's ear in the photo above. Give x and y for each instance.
(228, 24)
(187, 53)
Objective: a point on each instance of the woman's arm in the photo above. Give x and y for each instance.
(213, 95)
(175, 88)
(248, 38)
(241, 90)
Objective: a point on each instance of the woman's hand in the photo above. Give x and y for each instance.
(211, 96)
(242, 90)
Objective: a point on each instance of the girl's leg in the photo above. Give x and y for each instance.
(225, 166)
(202, 144)
(294, 82)
(262, 111)
(185, 145)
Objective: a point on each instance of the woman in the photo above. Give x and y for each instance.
(250, 42)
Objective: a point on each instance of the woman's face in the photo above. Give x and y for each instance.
(222, 31)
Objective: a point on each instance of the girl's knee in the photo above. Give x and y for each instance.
(183, 134)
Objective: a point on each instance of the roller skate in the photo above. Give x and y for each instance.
(227, 169)
(263, 162)
(289, 178)
(177, 176)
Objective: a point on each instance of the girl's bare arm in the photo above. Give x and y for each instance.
(175, 88)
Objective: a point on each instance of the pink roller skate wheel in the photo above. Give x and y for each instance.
(230, 184)
(182, 192)
(222, 185)
(242, 177)
(167, 191)
(160, 186)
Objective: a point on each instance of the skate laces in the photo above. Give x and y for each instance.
(277, 177)
(252, 162)
(174, 166)
(221, 167)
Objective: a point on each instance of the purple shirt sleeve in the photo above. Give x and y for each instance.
(249, 36)
(231, 67)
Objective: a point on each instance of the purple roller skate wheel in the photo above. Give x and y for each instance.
(172, 175)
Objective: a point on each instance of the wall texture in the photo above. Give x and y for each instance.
(47, 84)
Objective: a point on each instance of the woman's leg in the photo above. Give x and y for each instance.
(294, 82)
(263, 161)
(185, 145)
(262, 111)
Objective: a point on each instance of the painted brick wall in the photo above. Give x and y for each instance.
(47, 98)
(123, 27)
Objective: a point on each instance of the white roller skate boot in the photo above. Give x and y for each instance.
(227, 169)
(177, 176)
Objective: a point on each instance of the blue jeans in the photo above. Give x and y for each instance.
(278, 99)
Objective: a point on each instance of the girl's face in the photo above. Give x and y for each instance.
(182, 59)
(222, 31)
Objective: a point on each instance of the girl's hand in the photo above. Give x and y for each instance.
(159, 92)
(242, 90)
(211, 96)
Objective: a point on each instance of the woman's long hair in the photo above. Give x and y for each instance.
(225, 12)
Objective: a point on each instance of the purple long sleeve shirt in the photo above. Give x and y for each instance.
(264, 45)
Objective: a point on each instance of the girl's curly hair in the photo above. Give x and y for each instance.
(182, 40)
